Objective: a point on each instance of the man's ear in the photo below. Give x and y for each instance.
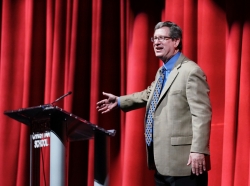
(176, 42)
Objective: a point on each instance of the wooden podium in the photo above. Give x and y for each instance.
(50, 129)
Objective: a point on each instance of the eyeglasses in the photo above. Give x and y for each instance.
(160, 38)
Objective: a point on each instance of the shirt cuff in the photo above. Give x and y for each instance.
(118, 101)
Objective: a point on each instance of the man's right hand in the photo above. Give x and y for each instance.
(107, 105)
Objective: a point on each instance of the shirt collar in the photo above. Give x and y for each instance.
(170, 64)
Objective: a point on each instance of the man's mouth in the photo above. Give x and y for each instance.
(158, 48)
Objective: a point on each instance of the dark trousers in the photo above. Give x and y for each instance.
(193, 180)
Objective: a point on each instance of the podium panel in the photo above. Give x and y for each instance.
(50, 129)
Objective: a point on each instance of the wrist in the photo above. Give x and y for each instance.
(118, 101)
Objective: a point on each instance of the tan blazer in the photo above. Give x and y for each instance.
(182, 117)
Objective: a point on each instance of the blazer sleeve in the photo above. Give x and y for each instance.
(135, 100)
(198, 99)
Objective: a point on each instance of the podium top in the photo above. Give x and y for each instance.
(77, 128)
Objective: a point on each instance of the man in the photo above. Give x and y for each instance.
(178, 113)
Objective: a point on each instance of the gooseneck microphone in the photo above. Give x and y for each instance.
(58, 99)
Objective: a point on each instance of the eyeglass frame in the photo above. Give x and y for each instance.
(160, 38)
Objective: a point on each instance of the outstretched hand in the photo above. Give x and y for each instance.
(108, 104)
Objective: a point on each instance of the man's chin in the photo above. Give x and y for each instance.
(159, 56)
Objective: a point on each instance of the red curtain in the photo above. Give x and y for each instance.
(49, 47)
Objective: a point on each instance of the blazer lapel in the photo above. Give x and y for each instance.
(172, 76)
(170, 80)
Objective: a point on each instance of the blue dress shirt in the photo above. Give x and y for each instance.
(168, 66)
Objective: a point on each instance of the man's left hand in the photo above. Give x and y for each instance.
(197, 162)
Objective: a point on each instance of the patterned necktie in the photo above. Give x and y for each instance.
(154, 101)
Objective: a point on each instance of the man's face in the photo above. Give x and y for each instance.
(166, 48)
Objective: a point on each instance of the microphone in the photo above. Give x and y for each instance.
(58, 99)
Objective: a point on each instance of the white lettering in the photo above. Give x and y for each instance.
(41, 143)
(47, 135)
(37, 136)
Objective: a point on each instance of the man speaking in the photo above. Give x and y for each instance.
(178, 113)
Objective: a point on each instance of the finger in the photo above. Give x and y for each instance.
(101, 102)
(196, 166)
(200, 168)
(193, 167)
(105, 94)
(204, 165)
(197, 172)
(193, 170)
(100, 106)
(107, 110)
(101, 109)
(189, 161)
